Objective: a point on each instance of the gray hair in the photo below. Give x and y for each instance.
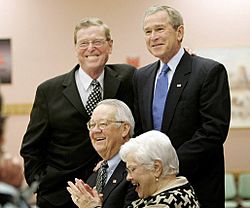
(91, 21)
(175, 18)
(150, 146)
(123, 112)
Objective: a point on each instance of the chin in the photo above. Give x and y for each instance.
(156, 54)
(141, 196)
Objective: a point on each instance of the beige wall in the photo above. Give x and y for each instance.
(42, 46)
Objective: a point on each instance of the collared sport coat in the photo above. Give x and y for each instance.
(56, 147)
(118, 192)
(196, 119)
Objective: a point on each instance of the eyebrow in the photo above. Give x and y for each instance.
(155, 26)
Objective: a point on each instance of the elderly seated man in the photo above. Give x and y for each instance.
(110, 126)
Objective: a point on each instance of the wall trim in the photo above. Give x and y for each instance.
(17, 109)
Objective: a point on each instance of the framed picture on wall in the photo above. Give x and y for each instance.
(237, 63)
(5, 61)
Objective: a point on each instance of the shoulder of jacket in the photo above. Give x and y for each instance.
(59, 79)
(121, 66)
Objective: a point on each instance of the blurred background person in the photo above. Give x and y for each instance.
(11, 171)
(11, 174)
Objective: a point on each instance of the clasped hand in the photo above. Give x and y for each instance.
(83, 195)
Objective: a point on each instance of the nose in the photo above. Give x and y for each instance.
(128, 178)
(153, 35)
(95, 129)
(90, 45)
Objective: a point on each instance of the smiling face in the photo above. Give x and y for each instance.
(93, 57)
(162, 40)
(107, 141)
(142, 178)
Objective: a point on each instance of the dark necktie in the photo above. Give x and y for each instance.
(101, 177)
(94, 97)
(161, 91)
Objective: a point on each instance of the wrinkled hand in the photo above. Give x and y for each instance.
(11, 171)
(83, 195)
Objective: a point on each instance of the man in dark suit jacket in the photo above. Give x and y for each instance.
(196, 115)
(56, 147)
(111, 125)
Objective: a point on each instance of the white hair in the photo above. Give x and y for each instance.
(150, 146)
(123, 112)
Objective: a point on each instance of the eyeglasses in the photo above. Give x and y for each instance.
(101, 124)
(95, 43)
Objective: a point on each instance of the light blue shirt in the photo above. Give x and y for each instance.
(112, 163)
(172, 64)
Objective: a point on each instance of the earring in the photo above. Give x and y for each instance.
(156, 179)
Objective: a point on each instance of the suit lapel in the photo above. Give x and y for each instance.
(116, 178)
(92, 179)
(179, 81)
(148, 92)
(111, 83)
(71, 91)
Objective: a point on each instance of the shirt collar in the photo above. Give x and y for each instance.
(174, 61)
(86, 79)
(114, 161)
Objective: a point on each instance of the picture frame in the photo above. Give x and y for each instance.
(5, 61)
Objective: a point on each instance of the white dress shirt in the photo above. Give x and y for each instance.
(83, 83)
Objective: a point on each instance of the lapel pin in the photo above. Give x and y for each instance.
(178, 85)
(114, 181)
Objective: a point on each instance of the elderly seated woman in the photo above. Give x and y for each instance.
(152, 166)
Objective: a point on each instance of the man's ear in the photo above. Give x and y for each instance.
(180, 33)
(110, 42)
(125, 130)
